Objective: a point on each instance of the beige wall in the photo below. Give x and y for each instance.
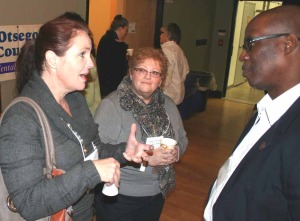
(23, 12)
(27, 12)
(196, 20)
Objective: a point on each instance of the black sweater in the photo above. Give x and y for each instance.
(112, 63)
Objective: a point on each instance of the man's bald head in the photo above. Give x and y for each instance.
(272, 51)
(283, 19)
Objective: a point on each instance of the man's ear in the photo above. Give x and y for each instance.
(51, 59)
(291, 43)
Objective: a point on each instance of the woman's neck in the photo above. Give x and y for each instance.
(58, 94)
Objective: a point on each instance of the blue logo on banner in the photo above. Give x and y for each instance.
(7, 67)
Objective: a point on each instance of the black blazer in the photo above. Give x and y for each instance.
(266, 184)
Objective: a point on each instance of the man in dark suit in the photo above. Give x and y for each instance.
(261, 179)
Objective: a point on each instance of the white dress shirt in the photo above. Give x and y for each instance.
(269, 111)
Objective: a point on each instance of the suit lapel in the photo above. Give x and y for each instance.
(247, 129)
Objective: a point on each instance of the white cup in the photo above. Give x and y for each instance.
(167, 143)
(111, 190)
(130, 51)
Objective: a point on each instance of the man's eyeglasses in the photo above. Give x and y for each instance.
(249, 42)
(143, 72)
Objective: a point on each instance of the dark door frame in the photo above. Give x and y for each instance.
(87, 11)
(230, 47)
(158, 21)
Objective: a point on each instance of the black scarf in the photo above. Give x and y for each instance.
(154, 122)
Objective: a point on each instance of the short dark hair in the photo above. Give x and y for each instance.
(73, 16)
(174, 32)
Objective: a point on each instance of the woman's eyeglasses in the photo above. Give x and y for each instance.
(143, 72)
(249, 42)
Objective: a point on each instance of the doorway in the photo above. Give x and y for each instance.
(248, 14)
(238, 88)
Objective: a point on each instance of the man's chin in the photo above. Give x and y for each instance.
(246, 73)
(255, 86)
(251, 83)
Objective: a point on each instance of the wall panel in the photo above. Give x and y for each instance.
(142, 13)
(27, 12)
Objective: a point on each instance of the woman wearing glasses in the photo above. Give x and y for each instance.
(139, 99)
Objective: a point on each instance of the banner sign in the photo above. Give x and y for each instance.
(12, 38)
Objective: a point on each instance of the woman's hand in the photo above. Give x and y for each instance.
(109, 170)
(163, 157)
(135, 151)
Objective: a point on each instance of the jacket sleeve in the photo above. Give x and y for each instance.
(107, 114)
(291, 169)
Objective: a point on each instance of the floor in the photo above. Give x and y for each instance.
(244, 93)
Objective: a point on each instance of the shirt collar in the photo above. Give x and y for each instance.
(168, 43)
(277, 107)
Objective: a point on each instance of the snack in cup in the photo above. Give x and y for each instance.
(167, 143)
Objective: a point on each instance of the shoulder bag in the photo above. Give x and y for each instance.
(7, 210)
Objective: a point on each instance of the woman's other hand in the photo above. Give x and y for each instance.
(109, 170)
(135, 151)
(163, 157)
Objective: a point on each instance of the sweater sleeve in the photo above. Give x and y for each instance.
(113, 150)
(107, 114)
(22, 161)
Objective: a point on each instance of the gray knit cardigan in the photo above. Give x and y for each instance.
(114, 127)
